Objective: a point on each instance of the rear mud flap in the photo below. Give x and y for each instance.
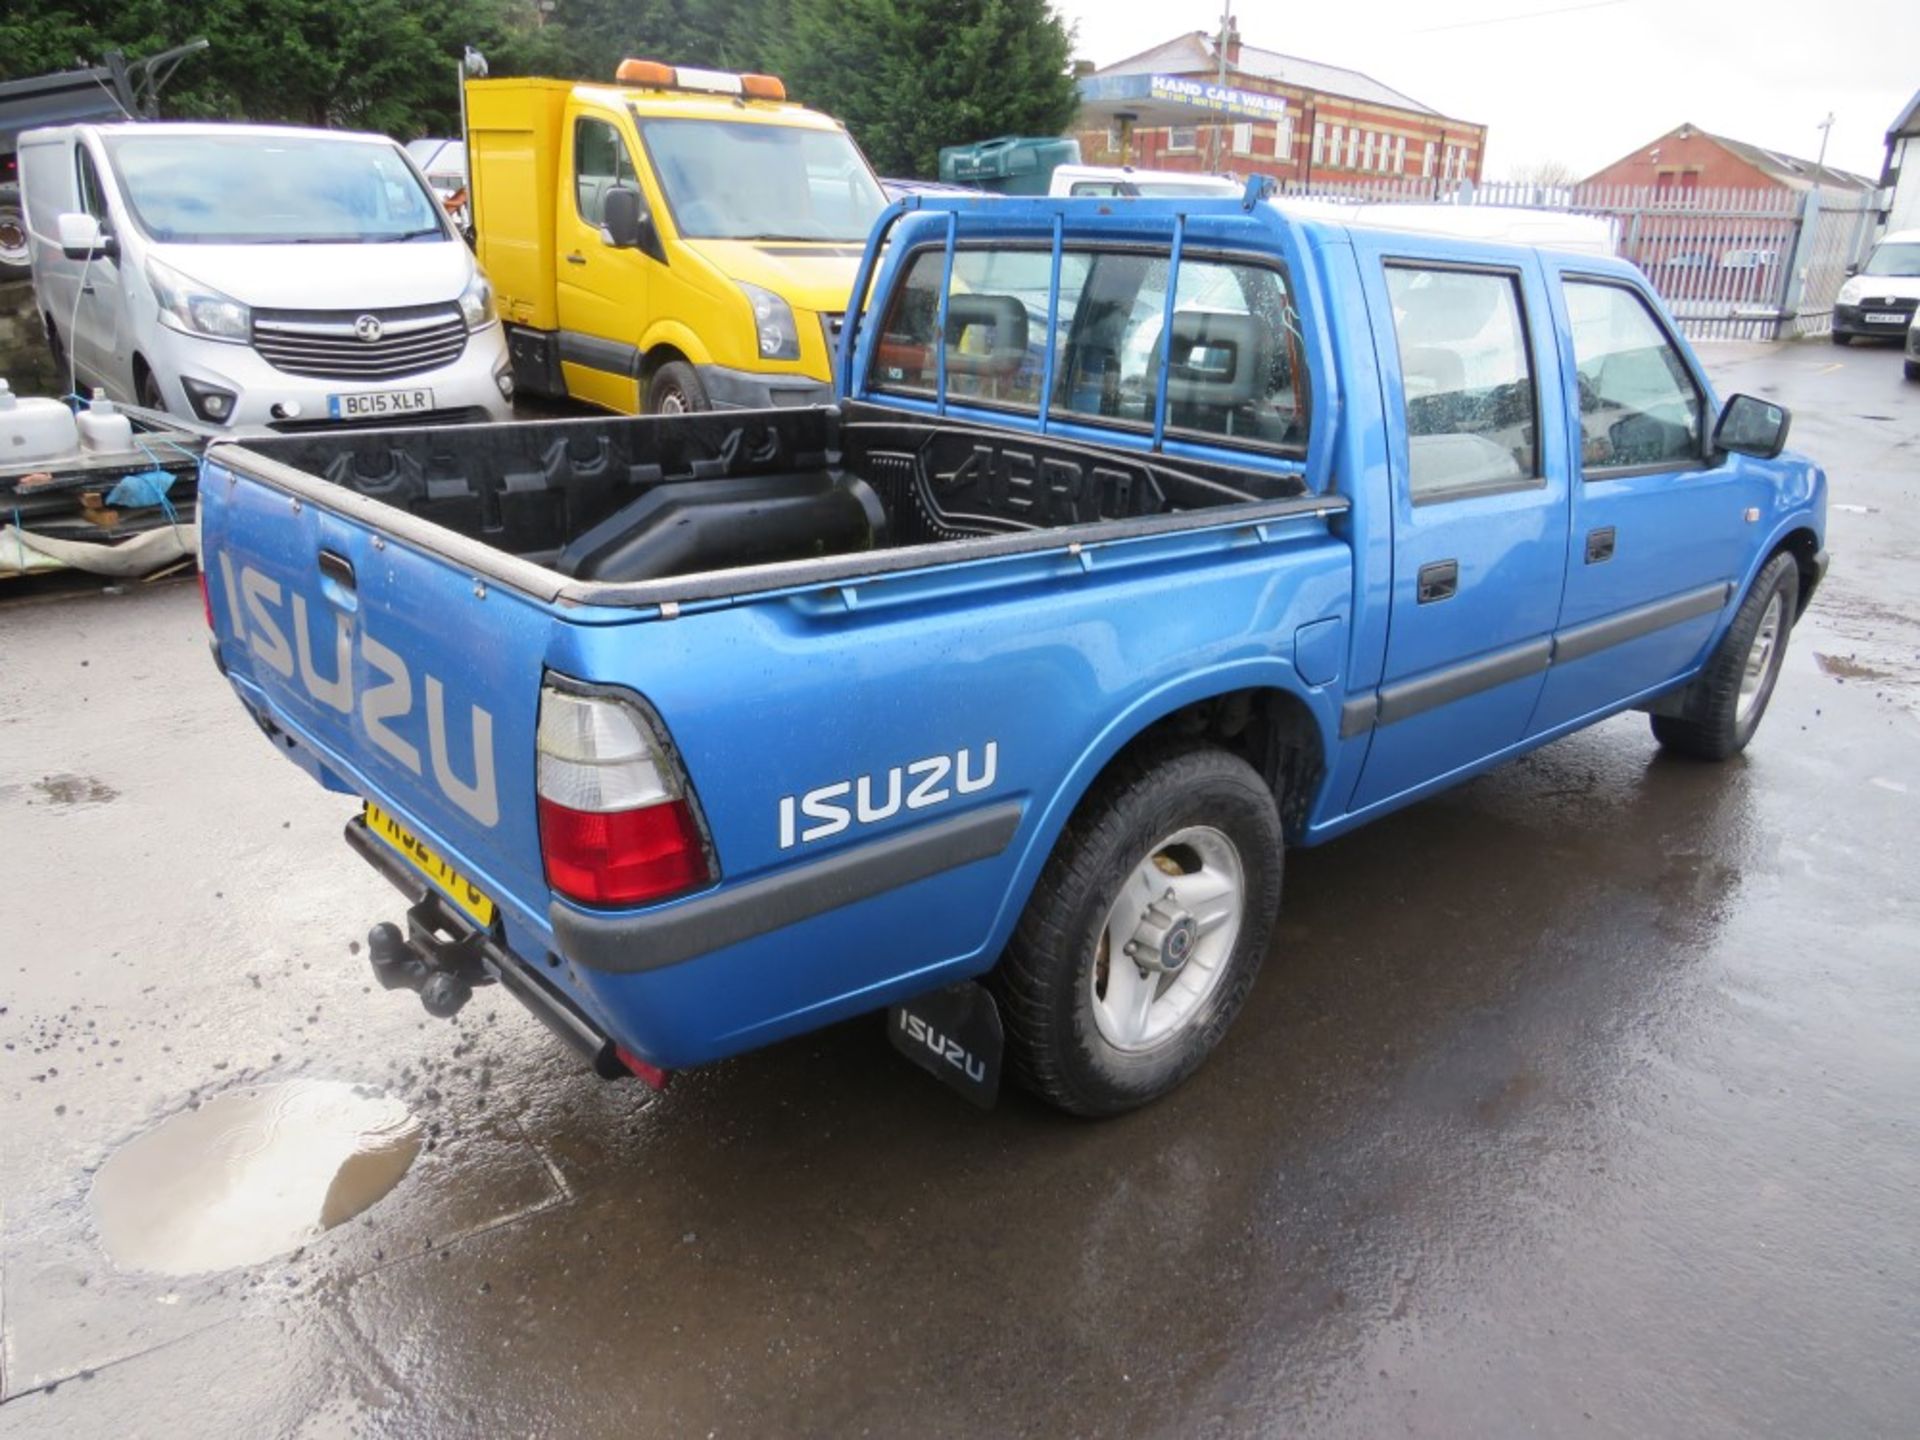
(955, 1036)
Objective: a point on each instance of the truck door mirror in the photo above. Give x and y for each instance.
(1853, 269)
(1748, 426)
(624, 222)
(81, 238)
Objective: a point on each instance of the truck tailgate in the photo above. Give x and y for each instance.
(409, 681)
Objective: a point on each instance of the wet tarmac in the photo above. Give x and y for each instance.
(1579, 1101)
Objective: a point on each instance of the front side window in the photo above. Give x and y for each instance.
(739, 180)
(271, 189)
(600, 162)
(92, 199)
(1468, 381)
(1639, 404)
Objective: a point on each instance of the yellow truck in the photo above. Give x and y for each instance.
(679, 240)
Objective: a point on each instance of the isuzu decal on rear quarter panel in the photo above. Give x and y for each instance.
(917, 785)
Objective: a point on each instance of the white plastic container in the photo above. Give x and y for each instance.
(35, 429)
(103, 429)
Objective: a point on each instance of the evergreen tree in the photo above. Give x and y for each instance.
(909, 76)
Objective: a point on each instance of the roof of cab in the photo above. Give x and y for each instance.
(649, 102)
(216, 128)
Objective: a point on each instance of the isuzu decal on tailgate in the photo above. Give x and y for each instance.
(929, 786)
(252, 605)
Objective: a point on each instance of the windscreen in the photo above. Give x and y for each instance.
(729, 180)
(1899, 258)
(253, 189)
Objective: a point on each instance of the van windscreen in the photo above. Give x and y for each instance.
(737, 180)
(254, 189)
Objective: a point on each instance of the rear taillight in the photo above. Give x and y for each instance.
(206, 599)
(617, 826)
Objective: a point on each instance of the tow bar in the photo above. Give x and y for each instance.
(441, 957)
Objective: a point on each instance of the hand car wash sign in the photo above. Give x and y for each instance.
(1219, 99)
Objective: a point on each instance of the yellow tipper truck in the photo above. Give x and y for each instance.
(680, 240)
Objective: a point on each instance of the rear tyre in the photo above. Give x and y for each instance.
(1840, 337)
(13, 235)
(1913, 369)
(1144, 932)
(676, 390)
(1723, 706)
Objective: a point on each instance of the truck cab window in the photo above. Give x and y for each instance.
(996, 326)
(1467, 378)
(600, 162)
(1639, 404)
(1232, 357)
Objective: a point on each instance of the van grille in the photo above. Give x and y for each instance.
(327, 344)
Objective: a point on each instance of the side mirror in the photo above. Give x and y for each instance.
(81, 238)
(1853, 270)
(1748, 426)
(624, 222)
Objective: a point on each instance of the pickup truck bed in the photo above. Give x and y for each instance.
(621, 502)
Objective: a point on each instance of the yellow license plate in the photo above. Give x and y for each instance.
(417, 853)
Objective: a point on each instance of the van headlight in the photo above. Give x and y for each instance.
(476, 302)
(773, 324)
(1850, 292)
(186, 304)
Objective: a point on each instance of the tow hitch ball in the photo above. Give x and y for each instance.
(442, 973)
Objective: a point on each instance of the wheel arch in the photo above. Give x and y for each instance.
(1256, 708)
(1804, 545)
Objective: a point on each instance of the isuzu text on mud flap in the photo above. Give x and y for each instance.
(700, 730)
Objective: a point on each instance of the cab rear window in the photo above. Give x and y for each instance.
(1222, 352)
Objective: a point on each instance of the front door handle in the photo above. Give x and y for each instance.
(1599, 545)
(1438, 581)
(576, 258)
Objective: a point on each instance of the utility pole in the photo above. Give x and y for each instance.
(1825, 127)
(1220, 54)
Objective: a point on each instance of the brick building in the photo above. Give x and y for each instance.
(1278, 115)
(1688, 158)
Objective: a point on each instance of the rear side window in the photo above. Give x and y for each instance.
(1639, 405)
(1468, 378)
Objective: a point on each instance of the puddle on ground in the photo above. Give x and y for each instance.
(1846, 667)
(249, 1175)
(75, 789)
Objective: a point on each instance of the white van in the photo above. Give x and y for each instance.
(1124, 181)
(257, 275)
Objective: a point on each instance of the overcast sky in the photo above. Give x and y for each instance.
(1594, 81)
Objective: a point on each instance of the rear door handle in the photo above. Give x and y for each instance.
(1599, 545)
(1438, 581)
(576, 258)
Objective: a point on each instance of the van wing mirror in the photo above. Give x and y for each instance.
(1751, 426)
(81, 238)
(624, 222)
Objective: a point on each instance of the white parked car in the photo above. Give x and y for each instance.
(1883, 295)
(257, 275)
(1124, 180)
(1913, 348)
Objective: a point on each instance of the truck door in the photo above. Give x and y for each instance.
(602, 291)
(95, 320)
(1479, 518)
(1659, 533)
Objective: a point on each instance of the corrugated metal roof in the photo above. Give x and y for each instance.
(1194, 52)
(1792, 171)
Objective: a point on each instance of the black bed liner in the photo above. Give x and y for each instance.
(631, 500)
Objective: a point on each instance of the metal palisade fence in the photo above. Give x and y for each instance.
(1731, 264)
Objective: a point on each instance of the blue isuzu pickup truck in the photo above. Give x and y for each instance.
(1144, 540)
